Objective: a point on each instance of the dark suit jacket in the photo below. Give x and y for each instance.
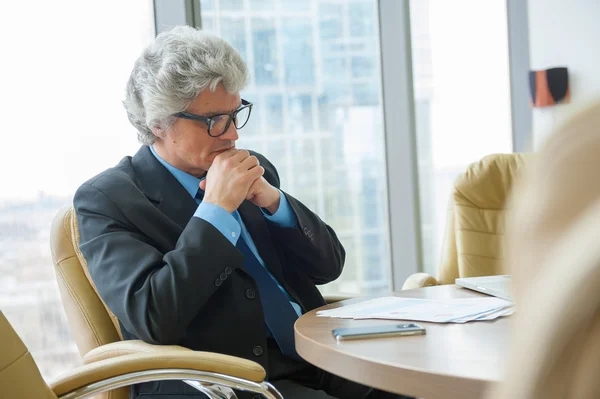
(171, 278)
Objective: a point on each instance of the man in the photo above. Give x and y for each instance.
(190, 241)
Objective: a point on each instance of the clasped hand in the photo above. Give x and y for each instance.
(235, 176)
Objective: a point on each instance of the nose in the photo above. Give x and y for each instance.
(231, 133)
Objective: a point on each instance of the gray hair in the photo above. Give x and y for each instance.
(172, 72)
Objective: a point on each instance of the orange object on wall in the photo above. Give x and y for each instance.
(549, 87)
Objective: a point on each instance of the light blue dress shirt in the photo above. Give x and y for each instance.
(231, 224)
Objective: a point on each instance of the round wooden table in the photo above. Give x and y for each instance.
(450, 361)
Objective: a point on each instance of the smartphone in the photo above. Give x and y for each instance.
(343, 334)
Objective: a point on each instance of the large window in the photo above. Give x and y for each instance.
(462, 100)
(63, 83)
(318, 115)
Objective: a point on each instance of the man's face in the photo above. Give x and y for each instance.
(187, 145)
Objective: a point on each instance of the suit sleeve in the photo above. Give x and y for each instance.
(311, 243)
(154, 294)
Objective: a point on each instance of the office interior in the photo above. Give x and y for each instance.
(428, 133)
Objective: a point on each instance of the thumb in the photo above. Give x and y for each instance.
(253, 190)
(203, 185)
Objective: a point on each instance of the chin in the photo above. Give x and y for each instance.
(199, 167)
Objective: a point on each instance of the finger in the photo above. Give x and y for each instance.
(227, 154)
(203, 185)
(254, 188)
(257, 172)
(241, 156)
(251, 191)
(249, 163)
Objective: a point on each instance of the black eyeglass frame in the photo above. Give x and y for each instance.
(209, 120)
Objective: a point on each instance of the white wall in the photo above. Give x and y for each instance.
(565, 33)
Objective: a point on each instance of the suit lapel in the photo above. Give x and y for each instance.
(259, 231)
(160, 186)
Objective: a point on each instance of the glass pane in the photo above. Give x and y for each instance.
(295, 5)
(261, 5)
(365, 93)
(331, 21)
(362, 19)
(272, 110)
(374, 277)
(322, 120)
(64, 149)
(305, 158)
(233, 5)
(209, 24)
(264, 40)
(298, 51)
(277, 153)
(207, 5)
(334, 68)
(462, 100)
(333, 93)
(300, 113)
(363, 67)
(234, 31)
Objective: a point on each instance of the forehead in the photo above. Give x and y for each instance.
(215, 102)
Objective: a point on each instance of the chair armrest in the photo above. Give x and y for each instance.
(419, 280)
(158, 360)
(338, 297)
(130, 347)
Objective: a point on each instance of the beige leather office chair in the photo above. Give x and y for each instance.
(474, 237)
(20, 377)
(553, 236)
(96, 330)
(97, 333)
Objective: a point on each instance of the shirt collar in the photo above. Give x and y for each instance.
(189, 182)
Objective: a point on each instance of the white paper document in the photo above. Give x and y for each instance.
(455, 310)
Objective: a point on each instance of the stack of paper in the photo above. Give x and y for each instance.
(456, 310)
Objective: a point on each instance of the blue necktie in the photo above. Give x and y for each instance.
(280, 316)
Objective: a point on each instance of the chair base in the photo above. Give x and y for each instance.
(214, 385)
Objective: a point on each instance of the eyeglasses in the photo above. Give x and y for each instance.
(217, 125)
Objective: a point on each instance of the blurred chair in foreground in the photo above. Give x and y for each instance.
(474, 238)
(554, 257)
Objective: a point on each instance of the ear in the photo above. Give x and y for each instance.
(158, 132)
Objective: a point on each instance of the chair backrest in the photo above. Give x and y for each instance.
(92, 323)
(19, 375)
(474, 237)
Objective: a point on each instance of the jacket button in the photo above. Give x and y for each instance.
(223, 276)
(250, 294)
(218, 282)
(228, 270)
(257, 350)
